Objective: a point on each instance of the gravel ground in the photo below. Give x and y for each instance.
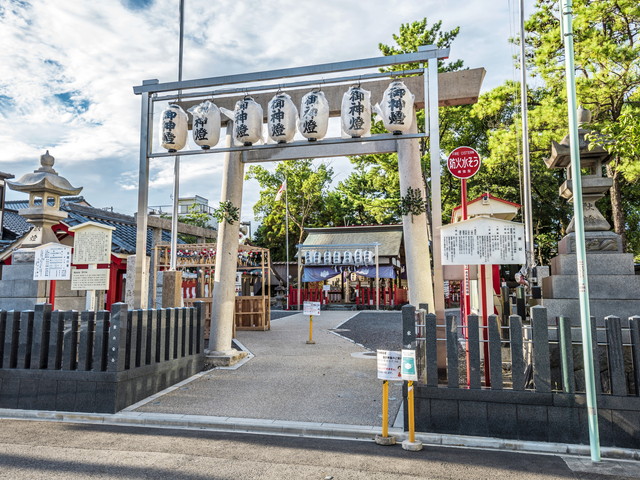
(374, 330)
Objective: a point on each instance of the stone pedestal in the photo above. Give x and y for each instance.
(614, 289)
(129, 293)
(171, 289)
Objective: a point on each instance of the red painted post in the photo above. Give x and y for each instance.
(52, 293)
(485, 326)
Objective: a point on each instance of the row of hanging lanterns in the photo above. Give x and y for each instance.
(396, 111)
(357, 257)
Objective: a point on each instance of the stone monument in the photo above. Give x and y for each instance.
(18, 290)
(613, 287)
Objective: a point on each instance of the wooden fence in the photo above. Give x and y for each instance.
(95, 361)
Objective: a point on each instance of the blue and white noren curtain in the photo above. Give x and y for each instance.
(319, 274)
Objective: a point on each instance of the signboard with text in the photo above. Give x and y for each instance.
(91, 279)
(483, 241)
(463, 162)
(91, 243)
(389, 365)
(52, 261)
(311, 308)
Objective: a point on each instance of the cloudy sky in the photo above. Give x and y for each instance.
(68, 68)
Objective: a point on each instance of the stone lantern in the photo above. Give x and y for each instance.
(45, 187)
(594, 183)
(614, 289)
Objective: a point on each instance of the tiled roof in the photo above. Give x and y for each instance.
(13, 225)
(123, 238)
(388, 236)
(20, 204)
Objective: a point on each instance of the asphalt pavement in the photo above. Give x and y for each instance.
(50, 450)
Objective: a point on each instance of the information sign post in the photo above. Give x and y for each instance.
(52, 262)
(91, 247)
(311, 309)
(389, 368)
(464, 163)
(483, 241)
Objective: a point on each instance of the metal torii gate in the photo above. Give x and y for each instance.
(451, 88)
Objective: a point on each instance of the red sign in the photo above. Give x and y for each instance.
(463, 162)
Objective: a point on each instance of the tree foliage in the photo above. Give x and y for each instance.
(371, 194)
(309, 200)
(606, 34)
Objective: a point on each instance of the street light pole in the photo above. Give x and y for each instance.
(176, 164)
(526, 168)
(581, 257)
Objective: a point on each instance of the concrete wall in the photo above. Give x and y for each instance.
(545, 417)
(95, 392)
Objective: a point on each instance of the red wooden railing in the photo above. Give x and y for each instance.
(364, 296)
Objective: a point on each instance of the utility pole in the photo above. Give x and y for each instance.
(581, 257)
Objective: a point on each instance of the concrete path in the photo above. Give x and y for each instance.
(333, 381)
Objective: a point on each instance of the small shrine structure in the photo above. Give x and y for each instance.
(18, 289)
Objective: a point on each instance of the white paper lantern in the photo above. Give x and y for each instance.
(347, 258)
(314, 116)
(358, 257)
(317, 258)
(337, 257)
(356, 112)
(206, 124)
(173, 125)
(369, 257)
(396, 108)
(247, 121)
(308, 256)
(327, 257)
(282, 116)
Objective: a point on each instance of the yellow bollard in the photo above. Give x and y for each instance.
(310, 341)
(412, 420)
(411, 444)
(385, 439)
(385, 408)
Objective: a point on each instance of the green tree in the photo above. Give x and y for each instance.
(308, 198)
(498, 111)
(195, 216)
(372, 192)
(606, 34)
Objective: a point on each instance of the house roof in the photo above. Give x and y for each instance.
(79, 211)
(487, 204)
(389, 237)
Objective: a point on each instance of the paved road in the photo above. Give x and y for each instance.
(52, 450)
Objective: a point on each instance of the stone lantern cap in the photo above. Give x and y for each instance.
(44, 180)
(589, 158)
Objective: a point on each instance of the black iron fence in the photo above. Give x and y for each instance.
(95, 361)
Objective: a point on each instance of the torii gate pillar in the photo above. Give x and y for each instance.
(418, 258)
(223, 302)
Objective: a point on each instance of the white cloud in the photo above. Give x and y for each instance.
(70, 67)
